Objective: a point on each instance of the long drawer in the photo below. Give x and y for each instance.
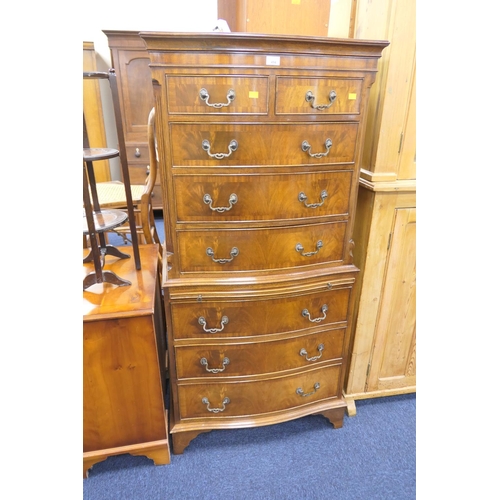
(244, 359)
(208, 319)
(227, 197)
(257, 249)
(245, 398)
(222, 144)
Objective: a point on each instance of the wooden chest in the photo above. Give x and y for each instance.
(124, 364)
(259, 143)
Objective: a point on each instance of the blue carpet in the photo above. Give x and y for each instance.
(372, 457)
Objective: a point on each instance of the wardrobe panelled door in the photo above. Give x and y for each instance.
(259, 142)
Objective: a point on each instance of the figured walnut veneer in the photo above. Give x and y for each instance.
(259, 143)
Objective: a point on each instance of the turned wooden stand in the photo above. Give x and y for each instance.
(124, 365)
(98, 221)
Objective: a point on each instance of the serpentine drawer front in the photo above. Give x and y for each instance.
(262, 197)
(206, 318)
(250, 398)
(250, 249)
(246, 359)
(223, 144)
(259, 140)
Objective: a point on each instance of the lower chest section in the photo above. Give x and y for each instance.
(254, 351)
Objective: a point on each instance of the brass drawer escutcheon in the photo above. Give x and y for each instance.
(321, 348)
(233, 199)
(234, 252)
(300, 249)
(306, 147)
(225, 402)
(204, 96)
(203, 322)
(233, 146)
(301, 392)
(303, 198)
(204, 362)
(320, 107)
(306, 314)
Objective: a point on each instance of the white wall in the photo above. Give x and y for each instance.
(145, 15)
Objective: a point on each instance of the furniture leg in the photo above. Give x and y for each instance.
(182, 439)
(335, 416)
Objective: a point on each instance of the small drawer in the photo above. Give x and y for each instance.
(217, 94)
(138, 152)
(209, 319)
(207, 198)
(222, 144)
(139, 172)
(245, 398)
(260, 358)
(318, 96)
